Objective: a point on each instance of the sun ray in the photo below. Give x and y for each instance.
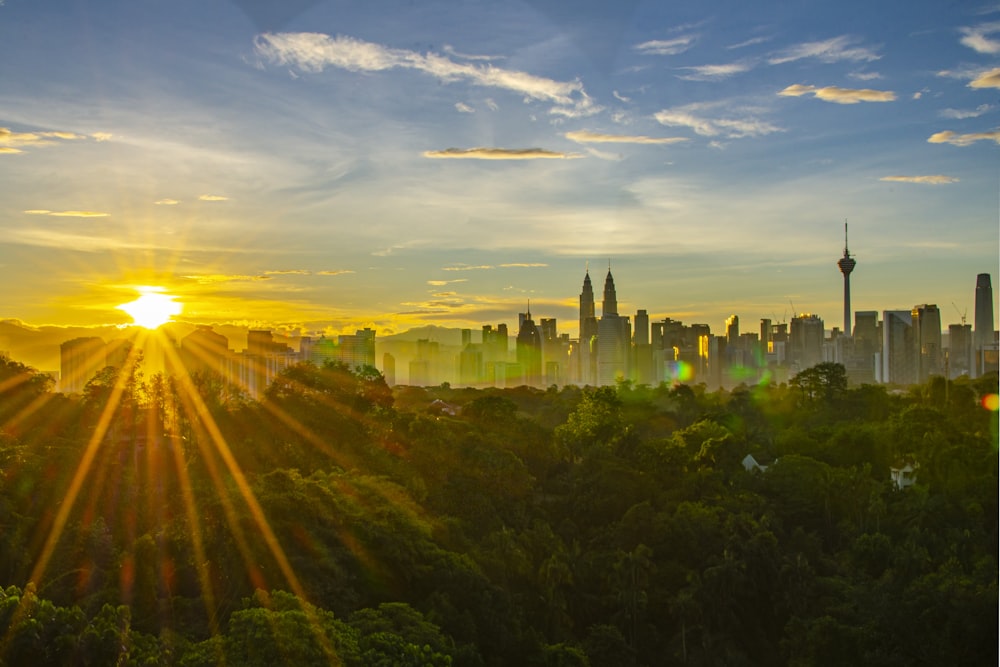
(256, 511)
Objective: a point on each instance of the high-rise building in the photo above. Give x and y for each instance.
(805, 342)
(358, 350)
(609, 305)
(80, 359)
(897, 347)
(613, 338)
(847, 264)
(642, 350)
(205, 351)
(587, 354)
(529, 350)
(961, 357)
(983, 338)
(389, 369)
(926, 333)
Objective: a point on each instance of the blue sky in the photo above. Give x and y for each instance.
(322, 165)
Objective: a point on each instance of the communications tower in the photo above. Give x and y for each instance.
(847, 264)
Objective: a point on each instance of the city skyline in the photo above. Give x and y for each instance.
(342, 167)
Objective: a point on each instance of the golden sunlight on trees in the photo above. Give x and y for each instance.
(163, 521)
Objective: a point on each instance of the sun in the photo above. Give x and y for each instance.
(152, 308)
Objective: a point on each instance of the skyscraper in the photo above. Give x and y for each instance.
(613, 338)
(847, 264)
(609, 306)
(926, 332)
(983, 334)
(529, 350)
(588, 330)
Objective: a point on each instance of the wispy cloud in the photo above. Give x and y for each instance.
(936, 179)
(865, 76)
(959, 114)
(442, 283)
(464, 108)
(588, 137)
(449, 49)
(213, 198)
(990, 79)
(218, 278)
(500, 154)
(68, 214)
(836, 49)
(287, 272)
(466, 267)
(749, 42)
(313, 52)
(949, 137)
(666, 47)
(730, 128)
(714, 72)
(166, 202)
(334, 272)
(102, 136)
(978, 38)
(523, 265)
(11, 142)
(839, 95)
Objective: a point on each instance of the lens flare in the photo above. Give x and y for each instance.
(991, 402)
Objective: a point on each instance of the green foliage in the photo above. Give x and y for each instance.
(611, 526)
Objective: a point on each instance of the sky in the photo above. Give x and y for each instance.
(320, 165)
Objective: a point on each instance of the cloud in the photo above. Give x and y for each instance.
(713, 72)
(666, 47)
(449, 49)
(491, 105)
(839, 95)
(524, 265)
(287, 272)
(464, 108)
(442, 283)
(949, 137)
(731, 128)
(833, 50)
(588, 137)
(990, 79)
(69, 214)
(216, 278)
(865, 76)
(500, 154)
(102, 136)
(213, 198)
(936, 179)
(976, 38)
(10, 141)
(619, 96)
(166, 202)
(749, 42)
(960, 114)
(312, 52)
(334, 272)
(466, 267)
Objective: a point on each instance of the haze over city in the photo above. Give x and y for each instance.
(324, 166)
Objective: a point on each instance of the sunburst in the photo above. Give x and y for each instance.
(153, 308)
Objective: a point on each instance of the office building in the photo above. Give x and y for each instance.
(926, 336)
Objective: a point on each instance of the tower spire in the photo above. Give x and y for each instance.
(847, 264)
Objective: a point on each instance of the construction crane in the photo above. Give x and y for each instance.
(960, 313)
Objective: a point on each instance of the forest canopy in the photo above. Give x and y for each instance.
(172, 521)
